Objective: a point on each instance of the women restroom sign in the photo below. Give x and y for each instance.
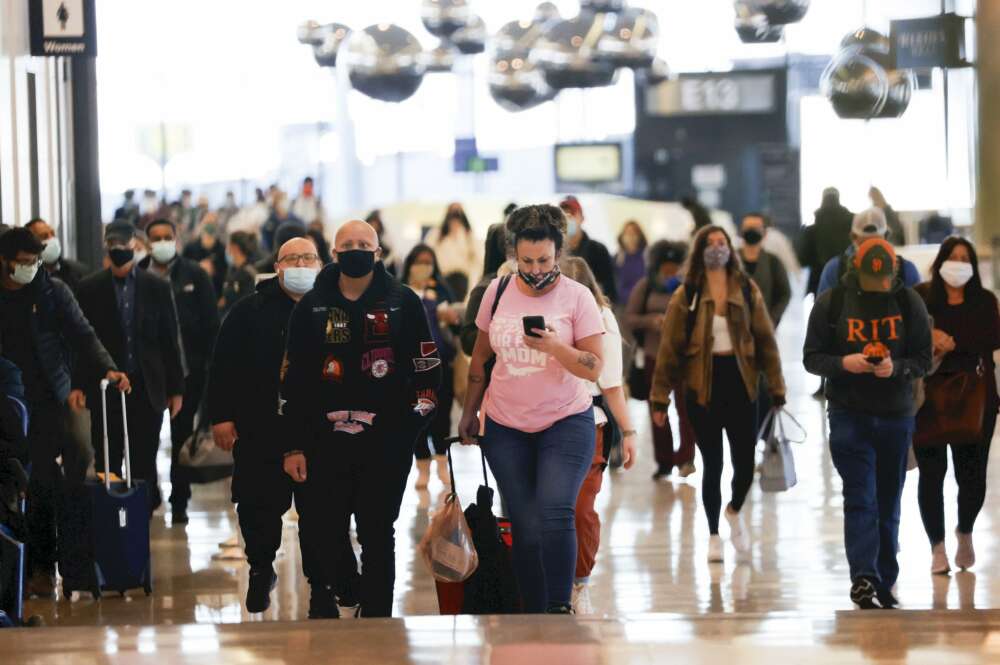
(63, 27)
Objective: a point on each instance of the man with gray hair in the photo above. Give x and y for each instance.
(867, 224)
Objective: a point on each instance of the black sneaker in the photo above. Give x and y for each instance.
(322, 602)
(887, 600)
(178, 515)
(262, 582)
(662, 472)
(865, 595)
(560, 609)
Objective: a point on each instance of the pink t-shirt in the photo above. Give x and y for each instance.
(530, 390)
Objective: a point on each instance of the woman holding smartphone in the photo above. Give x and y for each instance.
(539, 433)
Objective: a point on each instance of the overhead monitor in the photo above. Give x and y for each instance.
(588, 163)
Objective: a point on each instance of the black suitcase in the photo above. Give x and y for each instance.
(104, 544)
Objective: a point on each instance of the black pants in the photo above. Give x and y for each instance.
(440, 426)
(48, 438)
(180, 429)
(364, 477)
(144, 424)
(263, 493)
(970, 474)
(730, 410)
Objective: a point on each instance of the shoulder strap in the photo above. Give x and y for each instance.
(837, 294)
(501, 287)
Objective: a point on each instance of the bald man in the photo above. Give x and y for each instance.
(243, 404)
(360, 385)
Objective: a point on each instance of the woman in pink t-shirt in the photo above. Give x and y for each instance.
(539, 433)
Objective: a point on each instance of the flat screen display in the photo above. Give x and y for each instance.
(588, 163)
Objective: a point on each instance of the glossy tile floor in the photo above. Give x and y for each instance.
(655, 595)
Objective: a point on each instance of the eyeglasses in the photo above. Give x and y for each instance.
(292, 259)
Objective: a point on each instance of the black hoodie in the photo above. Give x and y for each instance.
(371, 361)
(869, 323)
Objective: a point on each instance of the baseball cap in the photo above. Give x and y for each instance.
(120, 230)
(571, 205)
(875, 258)
(870, 224)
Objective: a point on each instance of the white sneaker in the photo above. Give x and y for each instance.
(939, 560)
(580, 599)
(714, 549)
(965, 557)
(738, 532)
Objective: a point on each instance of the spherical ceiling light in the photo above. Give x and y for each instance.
(753, 27)
(442, 18)
(868, 41)
(565, 52)
(547, 11)
(310, 33)
(656, 73)
(856, 86)
(440, 60)
(602, 5)
(630, 39)
(517, 84)
(470, 39)
(780, 12)
(326, 52)
(902, 83)
(384, 62)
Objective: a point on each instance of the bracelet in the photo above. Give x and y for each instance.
(629, 432)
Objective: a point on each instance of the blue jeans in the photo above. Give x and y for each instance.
(870, 455)
(540, 475)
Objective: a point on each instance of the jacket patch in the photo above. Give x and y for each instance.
(425, 364)
(338, 326)
(428, 348)
(376, 326)
(426, 402)
(333, 369)
(378, 362)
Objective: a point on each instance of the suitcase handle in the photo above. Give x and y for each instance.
(105, 384)
(457, 439)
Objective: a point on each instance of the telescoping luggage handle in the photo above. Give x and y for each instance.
(451, 467)
(105, 383)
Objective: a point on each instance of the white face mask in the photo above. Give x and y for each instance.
(299, 280)
(164, 251)
(956, 273)
(24, 275)
(52, 251)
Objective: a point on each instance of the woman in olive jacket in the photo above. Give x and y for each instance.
(718, 353)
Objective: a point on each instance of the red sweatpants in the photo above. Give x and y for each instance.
(588, 524)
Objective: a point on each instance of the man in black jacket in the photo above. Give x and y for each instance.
(40, 324)
(827, 238)
(360, 385)
(198, 318)
(243, 387)
(133, 314)
(592, 251)
(69, 271)
(870, 338)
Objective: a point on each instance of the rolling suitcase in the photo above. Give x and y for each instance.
(105, 546)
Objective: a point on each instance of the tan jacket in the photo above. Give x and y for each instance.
(681, 363)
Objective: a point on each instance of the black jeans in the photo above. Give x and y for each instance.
(48, 438)
(180, 429)
(730, 410)
(440, 426)
(144, 424)
(970, 474)
(365, 476)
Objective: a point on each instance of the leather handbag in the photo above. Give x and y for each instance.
(953, 410)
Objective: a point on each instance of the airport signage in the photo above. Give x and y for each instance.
(714, 94)
(62, 27)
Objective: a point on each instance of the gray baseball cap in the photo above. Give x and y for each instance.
(870, 224)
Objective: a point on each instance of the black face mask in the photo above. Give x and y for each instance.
(753, 236)
(120, 256)
(356, 263)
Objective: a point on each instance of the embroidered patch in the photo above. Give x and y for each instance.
(428, 348)
(379, 362)
(338, 326)
(333, 370)
(425, 364)
(376, 326)
(424, 407)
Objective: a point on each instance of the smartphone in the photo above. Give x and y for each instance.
(873, 360)
(533, 323)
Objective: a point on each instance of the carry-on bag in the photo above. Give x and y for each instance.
(105, 545)
(777, 470)
(200, 460)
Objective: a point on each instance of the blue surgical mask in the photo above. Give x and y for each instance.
(299, 280)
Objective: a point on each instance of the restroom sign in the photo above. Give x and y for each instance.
(63, 27)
